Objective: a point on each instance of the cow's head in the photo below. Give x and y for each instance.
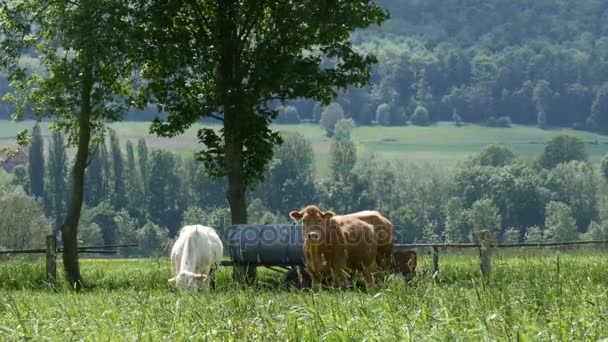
(188, 281)
(314, 223)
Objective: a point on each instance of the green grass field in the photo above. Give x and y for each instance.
(530, 298)
(442, 143)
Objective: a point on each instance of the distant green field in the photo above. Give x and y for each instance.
(442, 143)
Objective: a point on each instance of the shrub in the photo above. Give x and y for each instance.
(22, 221)
(501, 122)
(288, 115)
(420, 116)
(330, 117)
(383, 114)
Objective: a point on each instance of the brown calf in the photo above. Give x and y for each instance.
(405, 263)
(333, 244)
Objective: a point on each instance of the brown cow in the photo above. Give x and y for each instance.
(405, 263)
(333, 244)
(384, 231)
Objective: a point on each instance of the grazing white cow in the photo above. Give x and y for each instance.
(197, 249)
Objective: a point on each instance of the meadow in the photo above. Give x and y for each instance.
(442, 143)
(533, 295)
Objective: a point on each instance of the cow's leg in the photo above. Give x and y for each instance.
(338, 276)
(370, 285)
(316, 279)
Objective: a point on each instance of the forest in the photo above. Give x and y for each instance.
(493, 62)
(139, 195)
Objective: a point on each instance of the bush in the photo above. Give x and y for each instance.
(22, 221)
(383, 114)
(153, 240)
(330, 117)
(456, 118)
(495, 155)
(501, 122)
(90, 234)
(604, 168)
(559, 222)
(534, 234)
(511, 235)
(288, 115)
(343, 129)
(563, 148)
(420, 116)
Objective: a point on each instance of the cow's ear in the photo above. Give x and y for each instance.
(328, 214)
(296, 215)
(172, 280)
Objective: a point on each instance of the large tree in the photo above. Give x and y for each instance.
(231, 59)
(81, 47)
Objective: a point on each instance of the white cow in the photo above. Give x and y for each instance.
(197, 249)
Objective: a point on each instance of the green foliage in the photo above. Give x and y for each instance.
(542, 97)
(420, 116)
(343, 129)
(501, 122)
(563, 148)
(342, 156)
(119, 198)
(20, 177)
(456, 224)
(103, 215)
(218, 219)
(534, 234)
(251, 54)
(559, 222)
(97, 176)
(604, 168)
(164, 201)
(58, 178)
(406, 224)
(511, 235)
(483, 215)
(259, 214)
(288, 115)
(136, 201)
(383, 114)
(36, 164)
(331, 115)
(22, 221)
(494, 155)
(456, 118)
(289, 181)
(90, 234)
(599, 108)
(572, 183)
(153, 240)
(596, 231)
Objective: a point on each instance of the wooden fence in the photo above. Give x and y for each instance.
(486, 246)
(52, 250)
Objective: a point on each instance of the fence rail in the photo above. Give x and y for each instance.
(500, 245)
(485, 247)
(52, 250)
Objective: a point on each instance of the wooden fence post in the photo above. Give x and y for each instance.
(485, 251)
(435, 261)
(51, 259)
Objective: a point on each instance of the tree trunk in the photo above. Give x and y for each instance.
(236, 182)
(230, 89)
(69, 229)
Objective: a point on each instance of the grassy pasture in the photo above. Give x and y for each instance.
(529, 299)
(442, 143)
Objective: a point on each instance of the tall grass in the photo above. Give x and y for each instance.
(526, 299)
